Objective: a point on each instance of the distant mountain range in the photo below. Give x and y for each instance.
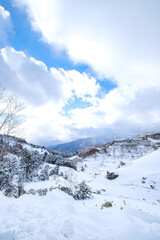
(82, 143)
(74, 146)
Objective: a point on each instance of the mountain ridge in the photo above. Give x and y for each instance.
(75, 145)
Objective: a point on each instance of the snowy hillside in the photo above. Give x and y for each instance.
(23, 162)
(130, 148)
(120, 198)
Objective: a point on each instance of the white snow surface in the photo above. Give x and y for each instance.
(135, 211)
(31, 148)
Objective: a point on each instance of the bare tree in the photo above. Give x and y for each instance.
(10, 117)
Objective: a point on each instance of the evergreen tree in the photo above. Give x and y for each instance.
(83, 191)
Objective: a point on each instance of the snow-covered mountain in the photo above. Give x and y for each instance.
(84, 142)
(130, 148)
(74, 145)
(118, 185)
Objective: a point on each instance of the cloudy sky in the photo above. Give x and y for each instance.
(82, 67)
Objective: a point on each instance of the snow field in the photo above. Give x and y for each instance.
(135, 211)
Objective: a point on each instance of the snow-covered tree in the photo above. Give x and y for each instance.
(83, 191)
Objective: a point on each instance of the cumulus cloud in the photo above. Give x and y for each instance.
(119, 40)
(5, 24)
(121, 112)
(125, 109)
(46, 92)
(38, 85)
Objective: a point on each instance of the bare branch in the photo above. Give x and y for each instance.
(10, 117)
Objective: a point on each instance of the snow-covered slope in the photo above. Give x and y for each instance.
(131, 148)
(47, 212)
(23, 162)
(57, 216)
(147, 165)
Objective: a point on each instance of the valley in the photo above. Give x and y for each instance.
(48, 207)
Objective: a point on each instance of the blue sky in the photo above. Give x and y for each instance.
(82, 65)
(23, 38)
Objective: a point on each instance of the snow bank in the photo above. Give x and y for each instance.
(147, 165)
(58, 216)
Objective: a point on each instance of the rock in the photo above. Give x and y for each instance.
(112, 175)
(143, 180)
(122, 163)
(152, 186)
(106, 204)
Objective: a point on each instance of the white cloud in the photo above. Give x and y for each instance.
(38, 85)
(121, 109)
(5, 24)
(45, 91)
(120, 40)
